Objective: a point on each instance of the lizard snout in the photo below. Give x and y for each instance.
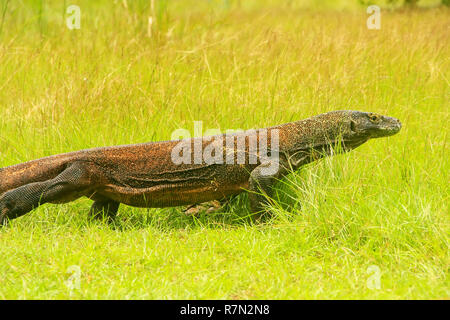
(394, 124)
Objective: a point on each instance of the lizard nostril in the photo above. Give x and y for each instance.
(398, 125)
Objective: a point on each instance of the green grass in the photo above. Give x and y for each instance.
(235, 64)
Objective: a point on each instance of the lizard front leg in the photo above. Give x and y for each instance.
(261, 183)
(208, 207)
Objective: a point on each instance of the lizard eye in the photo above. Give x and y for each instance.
(374, 117)
(353, 126)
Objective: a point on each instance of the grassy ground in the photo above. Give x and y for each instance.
(378, 213)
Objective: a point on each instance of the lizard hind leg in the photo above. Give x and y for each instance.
(104, 209)
(71, 183)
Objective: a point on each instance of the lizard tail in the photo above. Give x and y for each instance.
(33, 171)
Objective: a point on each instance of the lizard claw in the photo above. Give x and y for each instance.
(3, 216)
(3, 220)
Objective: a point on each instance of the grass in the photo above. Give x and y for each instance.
(231, 65)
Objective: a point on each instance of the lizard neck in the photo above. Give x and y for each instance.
(306, 141)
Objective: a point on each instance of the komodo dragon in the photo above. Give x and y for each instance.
(145, 175)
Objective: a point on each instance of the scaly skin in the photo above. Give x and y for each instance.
(144, 175)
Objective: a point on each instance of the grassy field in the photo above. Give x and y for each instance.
(370, 224)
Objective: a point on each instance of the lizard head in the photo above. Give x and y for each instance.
(368, 125)
(344, 129)
(352, 127)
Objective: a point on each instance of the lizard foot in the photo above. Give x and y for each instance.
(208, 207)
(261, 216)
(104, 210)
(3, 220)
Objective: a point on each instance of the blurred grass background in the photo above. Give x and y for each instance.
(232, 64)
